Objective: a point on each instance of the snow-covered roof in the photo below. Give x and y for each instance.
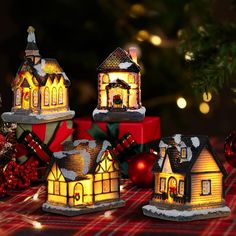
(119, 60)
(81, 159)
(173, 146)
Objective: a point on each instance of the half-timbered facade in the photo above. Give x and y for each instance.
(85, 175)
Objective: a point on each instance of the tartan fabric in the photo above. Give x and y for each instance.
(128, 220)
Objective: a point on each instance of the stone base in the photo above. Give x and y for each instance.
(190, 215)
(36, 119)
(75, 211)
(117, 116)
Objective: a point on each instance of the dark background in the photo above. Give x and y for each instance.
(81, 34)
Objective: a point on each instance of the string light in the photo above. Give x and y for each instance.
(142, 35)
(155, 40)
(207, 97)
(189, 56)
(121, 188)
(137, 10)
(204, 108)
(181, 102)
(107, 214)
(37, 225)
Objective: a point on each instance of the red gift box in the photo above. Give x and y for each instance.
(48, 135)
(143, 132)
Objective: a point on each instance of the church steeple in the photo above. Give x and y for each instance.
(32, 51)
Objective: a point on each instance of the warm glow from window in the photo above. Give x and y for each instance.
(18, 97)
(155, 40)
(204, 108)
(184, 153)
(54, 96)
(163, 151)
(207, 97)
(35, 98)
(181, 102)
(60, 95)
(105, 79)
(46, 96)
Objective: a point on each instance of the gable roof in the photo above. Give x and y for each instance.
(194, 145)
(41, 71)
(118, 60)
(81, 157)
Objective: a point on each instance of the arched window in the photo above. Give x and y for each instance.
(105, 79)
(46, 96)
(131, 79)
(18, 97)
(35, 97)
(60, 96)
(54, 96)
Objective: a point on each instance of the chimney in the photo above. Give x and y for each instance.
(133, 53)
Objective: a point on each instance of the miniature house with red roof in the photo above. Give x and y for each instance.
(119, 83)
(189, 180)
(40, 89)
(83, 178)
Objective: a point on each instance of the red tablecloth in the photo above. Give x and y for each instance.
(128, 220)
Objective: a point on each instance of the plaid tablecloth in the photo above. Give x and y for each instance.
(128, 220)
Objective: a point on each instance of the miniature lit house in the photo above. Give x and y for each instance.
(40, 89)
(119, 93)
(189, 181)
(84, 178)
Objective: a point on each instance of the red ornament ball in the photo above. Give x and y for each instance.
(140, 169)
(230, 149)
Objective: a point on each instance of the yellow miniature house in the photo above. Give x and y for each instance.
(119, 88)
(40, 89)
(189, 180)
(83, 179)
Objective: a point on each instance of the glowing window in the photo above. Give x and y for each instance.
(60, 95)
(131, 79)
(46, 96)
(35, 98)
(18, 97)
(105, 79)
(54, 96)
(106, 186)
(163, 151)
(56, 187)
(181, 187)
(162, 184)
(206, 187)
(184, 153)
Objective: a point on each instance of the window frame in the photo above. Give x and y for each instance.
(202, 183)
(60, 96)
(183, 149)
(35, 97)
(46, 96)
(54, 96)
(18, 97)
(181, 181)
(160, 187)
(161, 151)
(105, 76)
(56, 187)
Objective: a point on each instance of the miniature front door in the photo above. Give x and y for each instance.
(78, 194)
(26, 98)
(117, 101)
(172, 188)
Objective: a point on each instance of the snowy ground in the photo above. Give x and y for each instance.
(73, 211)
(177, 215)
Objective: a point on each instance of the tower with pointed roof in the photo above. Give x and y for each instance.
(40, 89)
(119, 92)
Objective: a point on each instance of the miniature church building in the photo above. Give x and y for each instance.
(40, 89)
(84, 178)
(189, 181)
(119, 88)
